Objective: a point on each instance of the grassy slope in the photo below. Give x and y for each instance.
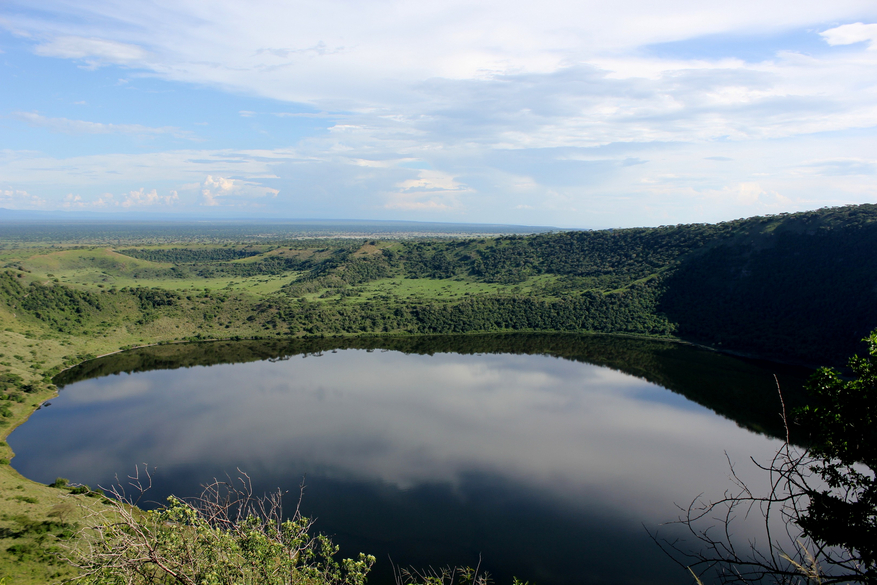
(31, 349)
(26, 554)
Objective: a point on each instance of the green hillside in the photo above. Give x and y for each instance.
(798, 287)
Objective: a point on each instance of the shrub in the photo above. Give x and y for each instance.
(226, 536)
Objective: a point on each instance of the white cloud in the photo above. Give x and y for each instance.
(368, 55)
(140, 199)
(223, 191)
(848, 34)
(303, 115)
(532, 109)
(572, 187)
(430, 191)
(377, 164)
(844, 167)
(20, 199)
(67, 126)
(105, 200)
(88, 172)
(71, 200)
(214, 188)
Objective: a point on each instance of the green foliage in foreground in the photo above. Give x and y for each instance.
(213, 541)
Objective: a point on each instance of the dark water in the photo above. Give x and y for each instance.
(543, 456)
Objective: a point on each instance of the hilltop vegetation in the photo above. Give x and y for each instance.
(798, 287)
(795, 286)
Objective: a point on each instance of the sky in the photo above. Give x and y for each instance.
(560, 113)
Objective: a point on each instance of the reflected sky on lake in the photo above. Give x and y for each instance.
(587, 440)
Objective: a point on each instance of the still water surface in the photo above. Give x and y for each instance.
(543, 467)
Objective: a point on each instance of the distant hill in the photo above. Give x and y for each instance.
(83, 226)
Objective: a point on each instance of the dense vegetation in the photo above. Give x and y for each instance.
(796, 287)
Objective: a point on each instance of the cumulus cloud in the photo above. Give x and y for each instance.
(73, 201)
(214, 188)
(140, 199)
(20, 199)
(105, 200)
(218, 190)
(430, 191)
(67, 126)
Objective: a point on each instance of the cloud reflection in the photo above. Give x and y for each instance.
(584, 435)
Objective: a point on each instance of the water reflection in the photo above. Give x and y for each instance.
(537, 463)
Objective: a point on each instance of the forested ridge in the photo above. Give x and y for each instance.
(799, 287)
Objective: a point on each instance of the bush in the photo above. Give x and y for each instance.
(224, 537)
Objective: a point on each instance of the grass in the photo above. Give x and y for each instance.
(103, 268)
(98, 268)
(35, 520)
(28, 541)
(427, 289)
(30, 513)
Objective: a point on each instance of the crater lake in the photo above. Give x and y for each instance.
(546, 457)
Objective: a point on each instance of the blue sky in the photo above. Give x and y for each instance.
(571, 114)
